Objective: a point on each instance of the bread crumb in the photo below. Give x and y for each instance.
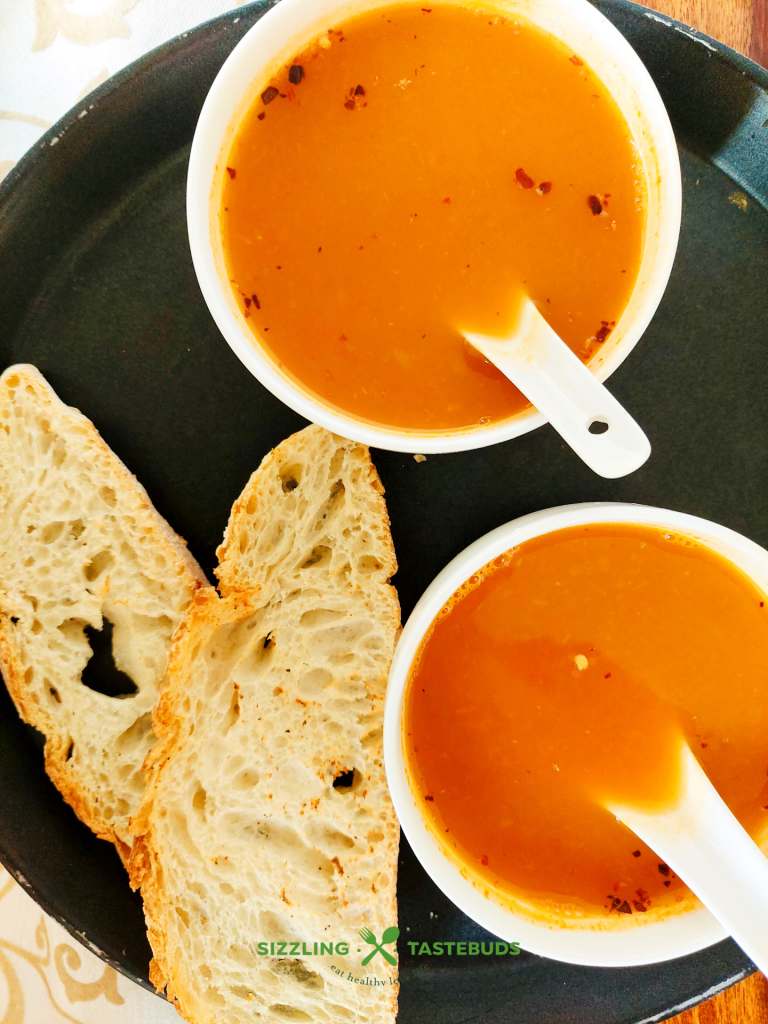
(420, 458)
(739, 199)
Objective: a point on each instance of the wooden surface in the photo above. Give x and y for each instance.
(745, 1003)
(742, 24)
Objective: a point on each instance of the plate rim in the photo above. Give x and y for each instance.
(16, 178)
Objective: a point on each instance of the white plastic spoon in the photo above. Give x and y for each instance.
(554, 379)
(702, 842)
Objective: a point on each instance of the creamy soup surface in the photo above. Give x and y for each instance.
(566, 674)
(417, 172)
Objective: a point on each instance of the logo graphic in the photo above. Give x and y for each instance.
(390, 935)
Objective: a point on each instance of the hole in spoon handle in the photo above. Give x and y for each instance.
(598, 426)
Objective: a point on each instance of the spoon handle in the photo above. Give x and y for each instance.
(565, 390)
(702, 842)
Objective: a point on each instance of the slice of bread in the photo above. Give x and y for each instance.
(81, 547)
(267, 817)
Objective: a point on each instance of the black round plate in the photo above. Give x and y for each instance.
(98, 291)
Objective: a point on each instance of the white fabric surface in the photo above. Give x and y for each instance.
(52, 53)
(46, 977)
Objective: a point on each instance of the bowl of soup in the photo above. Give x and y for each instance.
(553, 668)
(367, 180)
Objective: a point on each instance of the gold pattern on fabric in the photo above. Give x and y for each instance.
(14, 115)
(15, 1009)
(68, 959)
(53, 18)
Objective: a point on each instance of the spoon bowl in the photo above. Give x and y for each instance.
(701, 840)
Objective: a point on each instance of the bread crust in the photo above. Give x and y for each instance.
(32, 420)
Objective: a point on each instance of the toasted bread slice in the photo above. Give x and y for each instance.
(267, 817)
(82, 547)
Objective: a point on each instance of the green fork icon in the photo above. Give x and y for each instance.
(390, 935)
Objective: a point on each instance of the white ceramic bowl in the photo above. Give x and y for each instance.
(292, 25)
(622, 943)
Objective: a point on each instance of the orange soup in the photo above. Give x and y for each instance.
(566, 674)
(413, 174)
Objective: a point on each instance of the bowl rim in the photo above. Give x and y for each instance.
(235, 87)
(635, 943)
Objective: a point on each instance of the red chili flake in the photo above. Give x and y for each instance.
(247, 302)
(544, 188)
(231, 172)
(668, 883)
(595, 205)
(430, 798)
(762, 603)
(704, 745)
(283, 95)
(484, 860)
(576, 60)
(607, 675)
(262, 115)
(446, 200)
(523, 179)
(359, 91)
(638, 907)
(427, 10)
(350, 104)
(320, 249)
(256, 302)
(642, 895)
(296, 74)
(269, 94)
(342, 337)
(635, 853)
(624, 908)
(663, 869)
(602, 333)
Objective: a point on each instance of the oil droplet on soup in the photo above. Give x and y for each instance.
(567, 674)
(415, 173)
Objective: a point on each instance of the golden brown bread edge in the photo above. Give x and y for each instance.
(26, 396)
(266, 559)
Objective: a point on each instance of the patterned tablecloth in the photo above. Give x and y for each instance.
(52, 54)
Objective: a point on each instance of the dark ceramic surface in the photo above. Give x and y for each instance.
(97, 289)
